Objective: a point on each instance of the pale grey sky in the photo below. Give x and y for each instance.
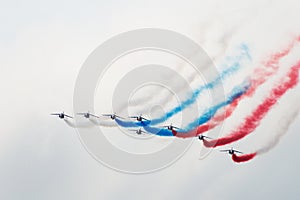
(44, 44)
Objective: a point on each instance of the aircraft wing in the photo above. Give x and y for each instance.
(224, 150)
(133, 117)
(237, 151)
(68, 116)
(94, 115)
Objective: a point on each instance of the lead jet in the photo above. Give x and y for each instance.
(61, 115)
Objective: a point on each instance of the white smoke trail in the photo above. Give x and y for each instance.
(90, 123)
(223, 42)
(149, 97)
(142, 104)
(103, 123)
(284, 124)
(78, 125)
(166, 97)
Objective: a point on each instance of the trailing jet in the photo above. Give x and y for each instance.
(231, 151)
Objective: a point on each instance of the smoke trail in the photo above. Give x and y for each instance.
(103, 123)
(192, 77)
(225, 74)
(243, 158)
(128, 124)
(78, 125)
(259, 77)
(88, 124)
(71, 124)
(253, 120)
(284, 125)
(208, 114)
(145, 124)
(148, 98)
(195, 132)
(158, 131)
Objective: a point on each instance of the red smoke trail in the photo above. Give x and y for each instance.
(243, 158)
(253, 120)
(259, 77)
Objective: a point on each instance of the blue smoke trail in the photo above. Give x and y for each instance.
(209, 113)
(131, 124)
(226, 73)
(149, 129)
(158, 131)
(205, 117)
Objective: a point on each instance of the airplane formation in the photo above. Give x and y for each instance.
(139, 131)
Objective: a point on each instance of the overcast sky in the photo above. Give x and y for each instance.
(44, 44)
